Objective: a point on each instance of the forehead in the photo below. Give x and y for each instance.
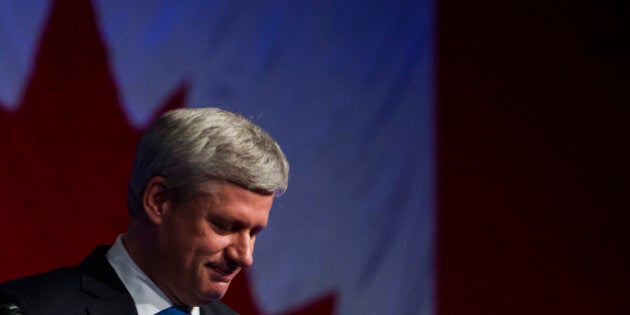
(233, 202)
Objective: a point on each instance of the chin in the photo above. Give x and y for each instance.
(203, 298)
(216, 292)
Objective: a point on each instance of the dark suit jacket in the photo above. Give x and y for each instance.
(92, 287)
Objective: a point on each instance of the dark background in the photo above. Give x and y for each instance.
(533, 157)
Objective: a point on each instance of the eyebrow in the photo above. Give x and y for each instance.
(237, 223)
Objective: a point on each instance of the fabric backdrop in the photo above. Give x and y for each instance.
(344, 86)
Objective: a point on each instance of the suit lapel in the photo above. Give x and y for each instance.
(114, 304)
(205, 310)
(98, 278)
(216, 308)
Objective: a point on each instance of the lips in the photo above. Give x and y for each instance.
(221, 273)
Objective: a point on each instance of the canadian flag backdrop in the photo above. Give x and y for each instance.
(345, 88)
(446, 158)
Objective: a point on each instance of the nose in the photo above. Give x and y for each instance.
(241, 250)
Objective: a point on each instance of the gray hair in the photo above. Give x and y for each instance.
(193, 146)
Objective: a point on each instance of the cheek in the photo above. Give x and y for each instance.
(184, 242)
(210, 243)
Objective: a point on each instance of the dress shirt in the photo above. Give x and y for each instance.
(149, 299)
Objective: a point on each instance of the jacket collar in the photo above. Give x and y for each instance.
(99, 279)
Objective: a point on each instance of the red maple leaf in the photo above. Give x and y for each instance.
(66, 152)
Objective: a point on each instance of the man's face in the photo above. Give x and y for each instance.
(204, 242)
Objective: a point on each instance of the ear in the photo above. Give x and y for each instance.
(155, 199)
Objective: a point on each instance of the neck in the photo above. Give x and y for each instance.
(140, 243)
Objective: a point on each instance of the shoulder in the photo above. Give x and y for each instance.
(67, 290)
(50, 288)
(55, 280)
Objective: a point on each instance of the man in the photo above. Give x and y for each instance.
(202, 184)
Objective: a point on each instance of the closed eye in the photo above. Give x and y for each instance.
(221, 228)
(221, 225)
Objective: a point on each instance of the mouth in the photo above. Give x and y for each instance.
(221, 273)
